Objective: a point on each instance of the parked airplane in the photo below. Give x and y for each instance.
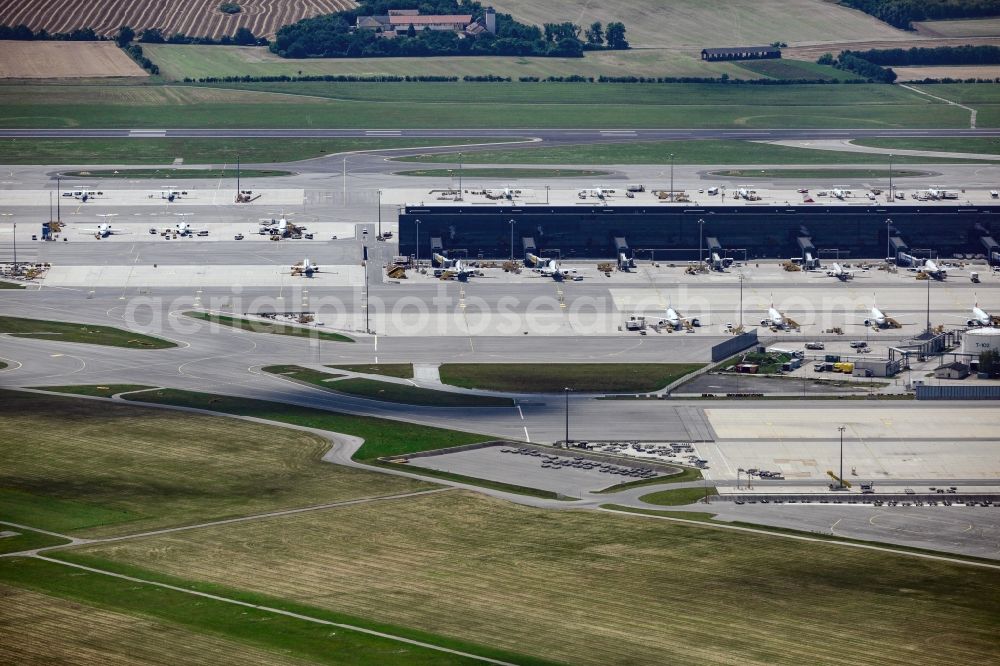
(777, 319)
(185, 228)
(547, 267)
(981, 317)
(171, 195)
(677, 321)
(104, 229)
(306, 268)
(878, 319)
(933, 270)
(837, 271)
(280, 227)
(453, 268)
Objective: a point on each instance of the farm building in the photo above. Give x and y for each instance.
(398, 21)
(741, 53)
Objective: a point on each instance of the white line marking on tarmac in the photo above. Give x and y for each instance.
(526, 437)
(520, 412)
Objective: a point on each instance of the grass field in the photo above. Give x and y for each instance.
(501, 172)
(176, 173)
(815, 174)
(709, 151)
(185, 629)
(10, 285)
(3, 365)
(100, 635)
(920, 72)
(400, 370)
(268, 327)
(387, 391)
(482, 570)
(678, 496)
(983, 146)
(65, 60)
(96, 390)
(197, 151)
(62, 331)
(554, 377)
(25, 539)
(383, 437)
(73, 466)
(509, 105)
(179, 61)
(982, 27)
(794, 69)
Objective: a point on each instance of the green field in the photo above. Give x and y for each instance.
(62, 331)
(481, 570)
(72, 466)
(818, 174)
(981, 146)
(509, 105)
(10, 285)
(400, 370)
(26, 539)
(554, 377)
(374, 389)
(709, 151)
(678, 496)
(167, 172)
(126, 622)
(197, 151)
(383, 437)
(96, 390)
(686, 474)
(179, 61)
(3, 365)
(268, 327)
(794, 70)
(503, 173)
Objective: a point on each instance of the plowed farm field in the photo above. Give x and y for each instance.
(65, 60)
(199, 18)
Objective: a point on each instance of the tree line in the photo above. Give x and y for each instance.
(902, 13)
(334, 35)
(852, 62)
(492, 78)
(939, 55)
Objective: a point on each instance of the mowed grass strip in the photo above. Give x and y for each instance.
(22, 539)
(815, 174)
(104, 615)
(106, 634)
(10, 285)
(96, 390)
(64, 331)
(383, 437)
(979, 145)
(96, 469)
(177, 173)
(374, 389)
(686, 474)
(400, 370)
(258, 326)
(630, 589)
(501, 172)
(679, 496)
(507, 105)
(709, 151)
(198, 151)
(554, 377)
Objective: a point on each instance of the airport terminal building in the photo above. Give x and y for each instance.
(595, 224)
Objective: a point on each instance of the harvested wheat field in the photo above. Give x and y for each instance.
(39, 629)
(65, 60)
(585, 588)
(919, 73)
(198, 18)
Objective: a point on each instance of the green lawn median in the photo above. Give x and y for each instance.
(554, 377)
(62, 331)
(679, 496)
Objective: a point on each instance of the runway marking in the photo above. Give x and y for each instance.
(520, 412)
(526, 437)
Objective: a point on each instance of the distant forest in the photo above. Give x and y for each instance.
(940, 55)
(333, 35)
(902, 13)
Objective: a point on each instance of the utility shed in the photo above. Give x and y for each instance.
(741, 53)
(953, 370)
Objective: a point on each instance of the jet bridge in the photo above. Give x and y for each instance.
(716, 260)
(897, 248)
(809, 258)
(624, 254)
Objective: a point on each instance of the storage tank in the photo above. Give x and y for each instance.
(979, 340)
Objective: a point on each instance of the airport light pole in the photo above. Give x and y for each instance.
(345, 181)
(741, 278)
(701, 244)
(547, 194)
(888, 226)
(512, 223)
(841, 477)
(460, 198)
(13, 236)
(671, 177)
(418, 244)
(380, 212)
(928, 304)
(566, 391)
(892, 196)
